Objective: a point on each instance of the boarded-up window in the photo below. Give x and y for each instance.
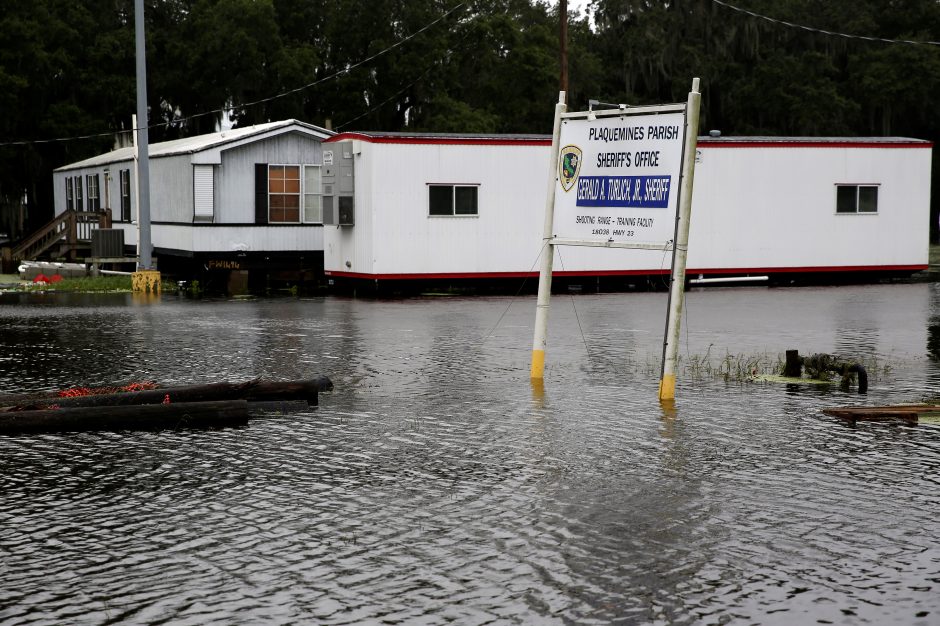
(203, 194)
(284, 194)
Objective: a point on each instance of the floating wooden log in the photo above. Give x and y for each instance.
(216, 414)
(252, 390)
(907, 413)
(13, 399)
(259, 408)
(290, 390)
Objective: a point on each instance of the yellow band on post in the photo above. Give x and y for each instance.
(538, 364)
(667, 387)
(146, 281)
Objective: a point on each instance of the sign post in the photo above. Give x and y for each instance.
(619, 180)
(667, 382)
(537, 368)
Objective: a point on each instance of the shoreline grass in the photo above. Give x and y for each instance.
(750, 367)
(86, 284)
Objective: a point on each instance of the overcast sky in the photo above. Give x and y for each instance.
(580, 5)
(576, 5)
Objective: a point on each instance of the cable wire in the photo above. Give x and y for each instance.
(823, 31)
(387, 100)
(246, 105)
(343, 71)
(515, 297)
(662, 265)
(575, 308)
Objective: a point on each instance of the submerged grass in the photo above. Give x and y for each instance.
(749, 367)
(90, 284)
(730, 367)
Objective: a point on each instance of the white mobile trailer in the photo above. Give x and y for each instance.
(207, 197)
(784, 206)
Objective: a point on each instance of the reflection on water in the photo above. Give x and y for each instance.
(933, 325)
(438, 483)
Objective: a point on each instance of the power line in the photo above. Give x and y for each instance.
(427, 70)
(246, 105)
(389, 99)
(30, 142)
(340, 72)
(822, 31)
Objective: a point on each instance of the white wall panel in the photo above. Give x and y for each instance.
(171, 189)
(754, 207)
(350, 249)
(235, 188)
(505, 234)
(767, 207)
(221, 238)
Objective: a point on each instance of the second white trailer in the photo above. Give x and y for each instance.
(452, 207)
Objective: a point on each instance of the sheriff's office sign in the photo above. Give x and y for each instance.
(618, 177)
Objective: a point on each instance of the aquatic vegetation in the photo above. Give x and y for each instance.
(87, 284)
(730, 367)
(752, 367)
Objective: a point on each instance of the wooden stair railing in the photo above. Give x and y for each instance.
(64, 225)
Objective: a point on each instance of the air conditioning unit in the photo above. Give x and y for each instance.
(107, 243)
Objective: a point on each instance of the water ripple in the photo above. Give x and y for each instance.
(436, 485)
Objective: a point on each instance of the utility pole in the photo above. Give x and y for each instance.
(145, 279)
(143, 141)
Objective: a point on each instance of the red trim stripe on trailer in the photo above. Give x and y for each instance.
(446, 141)
(689, 272)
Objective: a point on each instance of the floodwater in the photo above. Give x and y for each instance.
(435, 484)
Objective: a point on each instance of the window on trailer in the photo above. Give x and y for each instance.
(125, 195)
(79, 202)
(106, 195)
(313, 195)
(856, 198)
(284, 193)
(69, 194)
(94, 199)
(448, 200)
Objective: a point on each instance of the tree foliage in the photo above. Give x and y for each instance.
(67, 69)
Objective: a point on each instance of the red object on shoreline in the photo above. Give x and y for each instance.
(75, 392)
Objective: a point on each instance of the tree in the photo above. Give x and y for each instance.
(61, 75)
(67, 69)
